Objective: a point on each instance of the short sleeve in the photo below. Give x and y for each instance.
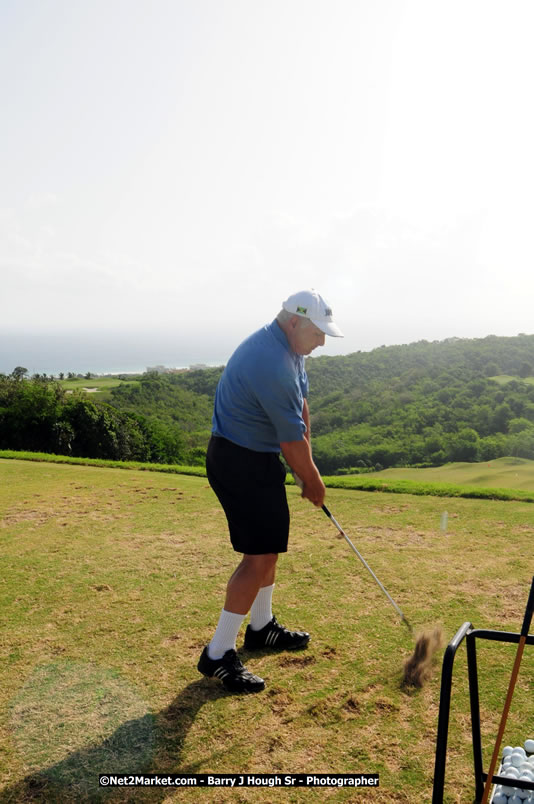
(281, 397)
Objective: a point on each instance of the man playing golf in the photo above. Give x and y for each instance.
(261, 410)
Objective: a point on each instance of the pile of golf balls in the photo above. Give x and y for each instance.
(517, 763)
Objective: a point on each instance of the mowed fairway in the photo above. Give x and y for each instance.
(95, 385)
(506, 473)
(112, 582)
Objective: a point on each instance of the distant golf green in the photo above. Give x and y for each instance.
(503, 379)
(513, 473)
(94, 385)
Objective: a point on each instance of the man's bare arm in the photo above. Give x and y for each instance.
(306, 420)
(298, 456)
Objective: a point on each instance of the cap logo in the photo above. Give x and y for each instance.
(327, 311)
(302, 310)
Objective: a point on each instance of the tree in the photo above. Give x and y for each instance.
(19, 372)
(516, 426)
(492, 370)
(501, 417)
(464, 445)
(521, 445)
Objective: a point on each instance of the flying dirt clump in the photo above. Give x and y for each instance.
(418, 668)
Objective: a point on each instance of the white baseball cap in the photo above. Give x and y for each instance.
(309, 304)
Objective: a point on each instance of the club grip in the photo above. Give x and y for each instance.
(528, 611)
(329, 515)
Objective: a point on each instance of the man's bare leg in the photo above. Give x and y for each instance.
(248, 578)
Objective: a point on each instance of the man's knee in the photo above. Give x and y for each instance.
(260, 563)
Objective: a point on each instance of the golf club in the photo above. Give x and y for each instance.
(368, 568)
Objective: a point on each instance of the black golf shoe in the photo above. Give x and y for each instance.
(234, 676)
(275, 636)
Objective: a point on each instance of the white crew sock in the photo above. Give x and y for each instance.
(225, 634)
(261, 611)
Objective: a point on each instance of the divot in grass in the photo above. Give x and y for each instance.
(296, 661)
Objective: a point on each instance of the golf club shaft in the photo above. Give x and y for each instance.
(368, 568)
(515, 672)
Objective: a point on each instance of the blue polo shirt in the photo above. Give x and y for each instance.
(259, 398)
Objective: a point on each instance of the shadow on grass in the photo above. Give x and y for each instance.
(149, 744)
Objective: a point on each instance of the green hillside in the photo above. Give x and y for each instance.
(512, 473)
(397, 406)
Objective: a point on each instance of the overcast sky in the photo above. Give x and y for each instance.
(179, 167)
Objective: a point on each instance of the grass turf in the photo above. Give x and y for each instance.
(420, 482)
(510, 473)
(96, 385)
(112, 583)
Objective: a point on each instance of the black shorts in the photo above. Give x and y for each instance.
(250, 487)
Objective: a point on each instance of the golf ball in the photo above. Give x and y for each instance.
(512, 772)
(517, 765)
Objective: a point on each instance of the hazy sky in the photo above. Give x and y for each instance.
(176, 168)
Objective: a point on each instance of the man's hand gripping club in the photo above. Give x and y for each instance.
(298, 456)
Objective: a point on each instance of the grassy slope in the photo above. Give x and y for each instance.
(367, 482)
(513, 473)
(113, 582)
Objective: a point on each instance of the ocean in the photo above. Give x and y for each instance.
(106, 353)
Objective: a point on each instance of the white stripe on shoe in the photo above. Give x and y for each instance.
(221, 673)
(271, 638)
